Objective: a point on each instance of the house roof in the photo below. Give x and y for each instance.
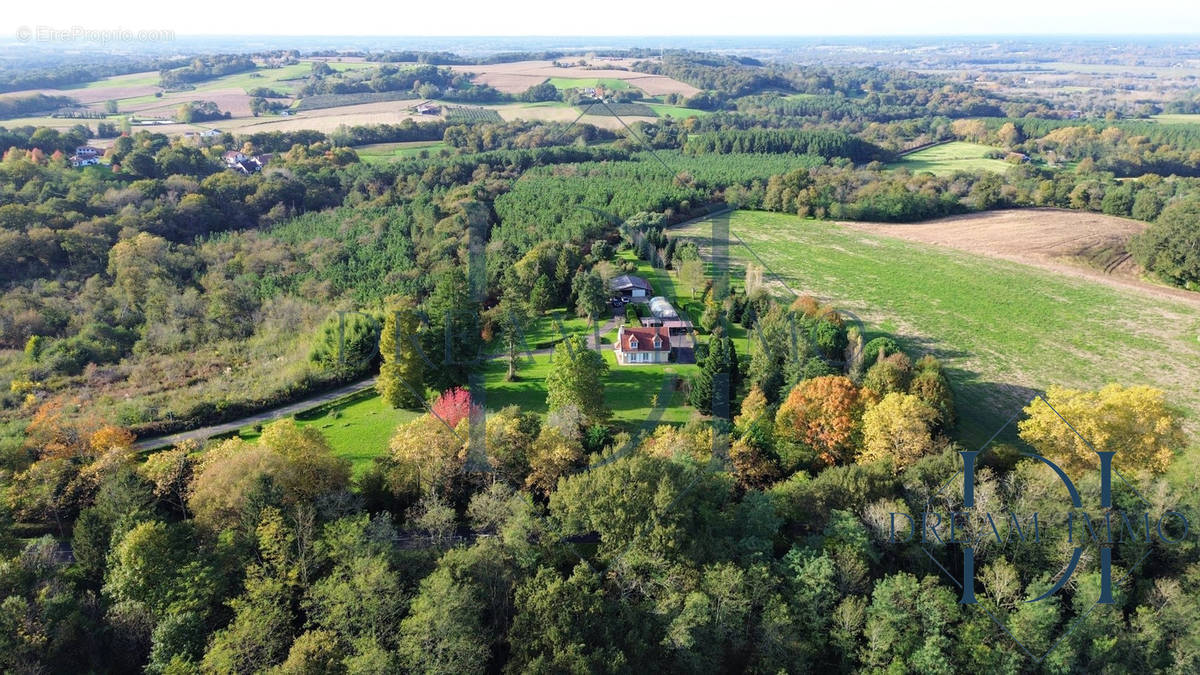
(627, 281)
(645, 339)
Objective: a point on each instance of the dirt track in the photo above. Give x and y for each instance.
(1084, 244)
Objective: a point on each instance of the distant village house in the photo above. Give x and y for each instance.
(238, 161)
(86, 155)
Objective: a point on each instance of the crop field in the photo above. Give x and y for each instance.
(516, 77)
(1005, 330)
(950, 157)
(1078, 242)
(620, 110)
(323, 101)
(472, 115)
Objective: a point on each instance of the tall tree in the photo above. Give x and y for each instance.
(1136, 422)
(899, 428)
(577, 378)
(591, 296)
(402, 374)
(514, 316)
(824, 414)
(454, 342)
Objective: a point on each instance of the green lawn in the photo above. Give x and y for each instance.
(1005, 330)
(677, 111)
(629, 391)
(358, 431)
(586, 82)
(285, 79)
(390, 152)
(950, 157)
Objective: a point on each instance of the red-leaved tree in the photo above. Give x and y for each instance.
(453, 406)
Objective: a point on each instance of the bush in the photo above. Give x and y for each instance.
(631, 315)
(871, 351)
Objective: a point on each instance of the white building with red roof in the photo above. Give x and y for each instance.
(642, 345)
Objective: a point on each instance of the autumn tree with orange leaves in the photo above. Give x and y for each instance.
(825, 414)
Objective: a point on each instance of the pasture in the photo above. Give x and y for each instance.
(677, 111)
(390, 152)
(358, 430)
(610, 83)
(1167, 118)
(1005, 330)
(950, 157)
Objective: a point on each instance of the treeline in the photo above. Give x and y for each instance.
(426, 81)
(200, 111)
(66, 74)
(827, 144)
(1127, 148)
(405, 131)
(205, 68)
(45, 139)
(34, 104)
(729, 75)
(873, 106)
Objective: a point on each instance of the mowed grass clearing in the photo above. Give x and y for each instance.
(950, 157)
(676, 111)
(1005, 330)
(390, 152)
(588, 82)
(358, 431)
(629, 391)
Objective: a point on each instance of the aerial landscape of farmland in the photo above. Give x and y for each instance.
(870, 344)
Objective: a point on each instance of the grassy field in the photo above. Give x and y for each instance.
(1176, 119)
(950, 157)
(390, 152)
(358, 431)
(677, 111)
(629, 391)
(149, 78)
(1005, 330)
(587, 82)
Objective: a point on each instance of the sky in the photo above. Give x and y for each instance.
(617, 17)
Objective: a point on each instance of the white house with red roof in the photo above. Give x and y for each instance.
(642, 345)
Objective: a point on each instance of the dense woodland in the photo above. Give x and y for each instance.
(159, 291)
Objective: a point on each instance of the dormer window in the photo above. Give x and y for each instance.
(657, 342)
(633, 343)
